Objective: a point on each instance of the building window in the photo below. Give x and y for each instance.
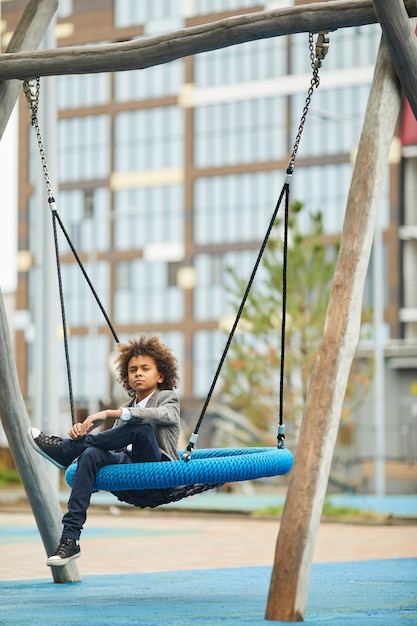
(322, 188)
(86, 373)
(349, 47)
(251, 61)
(148, 215)
(89, 358)
(240, 132)
(85, 215)
(81, 310)
(172, 269)
(334, 122)
(80, 304)
(87, 234)
(142, 294)
(83, 148)
(33, 224)
(34, 159)
(235, 208)
(149, 139)
(368, 294)
(129, 12)
(208, 346)
(325, 188)
(85, 90)
(219, 6)
(65, 8)
(212, 297)
(152, 82)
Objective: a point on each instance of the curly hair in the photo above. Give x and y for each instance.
(166, 362)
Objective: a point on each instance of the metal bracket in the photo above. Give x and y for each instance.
(322, 47)
(30, 91)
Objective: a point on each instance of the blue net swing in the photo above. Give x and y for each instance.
(148, 485)
(153, 484)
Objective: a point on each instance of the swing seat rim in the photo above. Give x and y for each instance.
(207, 466)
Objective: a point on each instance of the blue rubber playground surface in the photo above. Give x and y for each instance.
(368, 593)
(372, 593)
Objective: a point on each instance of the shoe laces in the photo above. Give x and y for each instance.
(50, 440)
(64, 544)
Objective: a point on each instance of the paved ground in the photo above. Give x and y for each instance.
(182, 567)
(136, 541)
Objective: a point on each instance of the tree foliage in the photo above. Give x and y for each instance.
(251, 378)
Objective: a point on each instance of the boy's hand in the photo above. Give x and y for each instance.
(78, 431)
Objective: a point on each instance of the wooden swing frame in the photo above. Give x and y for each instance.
(395, 70)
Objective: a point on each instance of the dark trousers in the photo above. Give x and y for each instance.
(93, 452)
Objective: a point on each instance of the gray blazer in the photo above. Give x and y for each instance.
(162, 412)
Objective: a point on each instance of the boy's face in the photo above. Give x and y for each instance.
(143, 375)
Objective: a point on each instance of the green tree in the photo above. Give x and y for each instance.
(251, 377)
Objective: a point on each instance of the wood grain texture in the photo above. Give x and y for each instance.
(28, 35)
(308, 482)
(401, 40)
(143, 53)
(14, 417)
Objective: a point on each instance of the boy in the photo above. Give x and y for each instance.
(149, 424)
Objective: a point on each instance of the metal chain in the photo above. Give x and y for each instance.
(316, 58)
(31, 90)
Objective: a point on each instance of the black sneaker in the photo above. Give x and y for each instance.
(48, 446)
(67, 550)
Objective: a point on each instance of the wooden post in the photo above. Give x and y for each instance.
(31, 467)
(308, 483)
(150, 51)
(401, 41)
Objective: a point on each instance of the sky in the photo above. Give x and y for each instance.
(8, 205)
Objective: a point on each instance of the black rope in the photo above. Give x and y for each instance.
(32, 94)
(281, 434)
(90, 284)
(193, 439)
(56, 218)
(316, 58)
(32, 89)
(63, 315)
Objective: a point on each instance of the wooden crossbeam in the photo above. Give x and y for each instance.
(150, 51)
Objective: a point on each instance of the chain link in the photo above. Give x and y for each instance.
(31, 90)
(316, 57)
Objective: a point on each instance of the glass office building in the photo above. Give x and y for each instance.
(168, 175)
